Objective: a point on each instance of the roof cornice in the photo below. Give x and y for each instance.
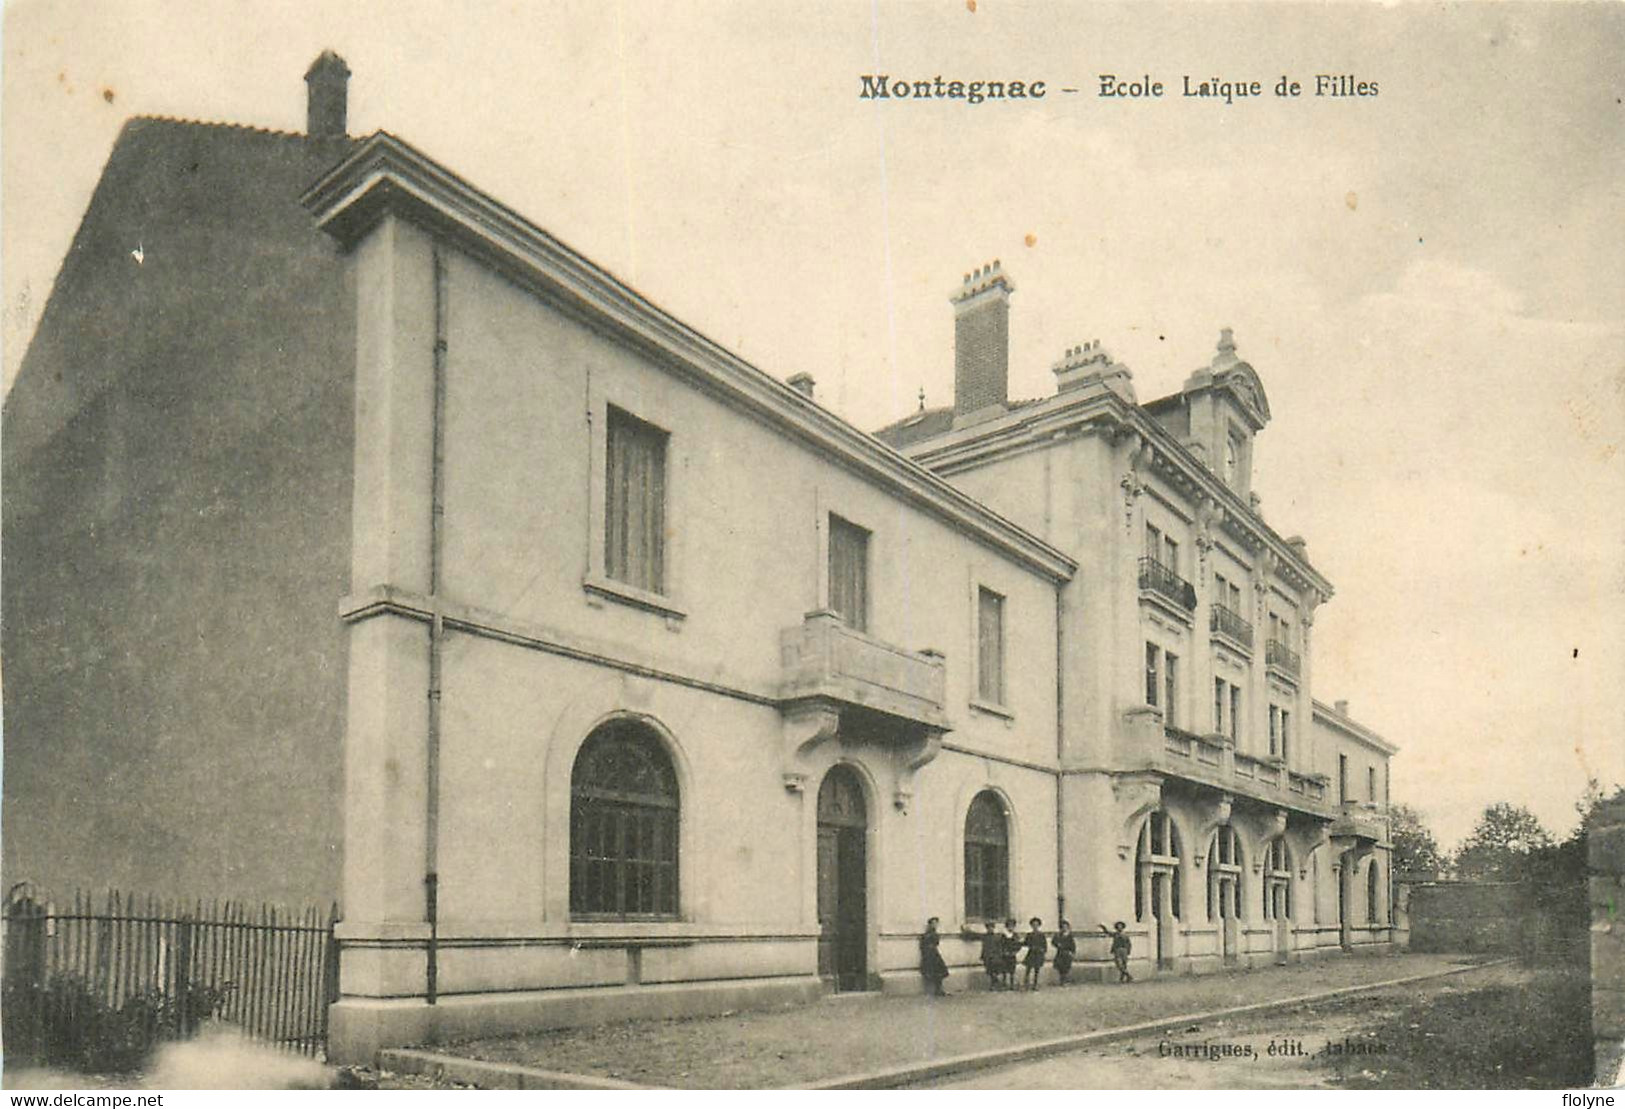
(1352, 727)
(387, 176)
(1029, 426)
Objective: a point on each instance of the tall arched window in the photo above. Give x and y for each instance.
(623, 824)
(1277, 880)
(1373, 889)
(987, 858)
(1224, 874)
(1156, 867)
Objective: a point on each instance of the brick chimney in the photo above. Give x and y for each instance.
(982, 342)
(327, 83)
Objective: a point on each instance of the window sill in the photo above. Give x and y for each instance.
(596, 585)
(993, 709)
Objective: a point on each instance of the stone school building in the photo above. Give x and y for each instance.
(364, 541)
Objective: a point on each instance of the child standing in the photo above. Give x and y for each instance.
(1121, 946)
(1066, 949)
(932, 967)
(1036, 946)
(1012, 946)
(993, 957)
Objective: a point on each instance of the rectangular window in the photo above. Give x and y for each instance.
(1235, 713)
(1371, 783)
(849, 572)
(1234, 600)
(1218, 705)
(1170, 554)
(1153, 683)
(1275, 731)
(635, 502)
(1170, 687)
(1286, 632)
(1275, 626)
(990, 646)
(1221, 590)
(1286, 733)
(1153, 543)
(1342, 778)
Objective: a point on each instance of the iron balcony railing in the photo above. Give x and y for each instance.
(1281, 656)
(1160, 580)
(1229, 622)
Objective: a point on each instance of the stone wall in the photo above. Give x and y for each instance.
(1471, 916)
(1606, 866)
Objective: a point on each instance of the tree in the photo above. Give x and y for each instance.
(1415, 851)
(1501, 844)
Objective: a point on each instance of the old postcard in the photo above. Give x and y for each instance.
(979, 544)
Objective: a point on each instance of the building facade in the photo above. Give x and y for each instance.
(604, 674)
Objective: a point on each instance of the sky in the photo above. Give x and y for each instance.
(1429, 281)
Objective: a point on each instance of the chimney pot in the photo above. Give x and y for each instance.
(327, 93)
(803, 384)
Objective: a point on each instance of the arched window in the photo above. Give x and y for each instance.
(1224, 874)
(1156, 867)
(987, 859)
(623, 824)
(1277, 880)
(1373, 889)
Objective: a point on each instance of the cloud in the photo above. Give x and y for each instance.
(1442, 284)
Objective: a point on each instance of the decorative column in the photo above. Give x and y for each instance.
(383, 939)
(1257, 709)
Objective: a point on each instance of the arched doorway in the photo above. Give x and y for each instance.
(1156, 882)
(843, 880)
(1224, 871)
(1277, 886)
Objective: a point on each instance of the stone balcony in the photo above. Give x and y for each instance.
(824, 660)
(1310, 786)
(1212, 761)
(1362, 821)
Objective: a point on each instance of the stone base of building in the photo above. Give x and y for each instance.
(359, 1027)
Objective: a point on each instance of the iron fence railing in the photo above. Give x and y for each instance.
(99, 982)
(1279, 655)
(1159, 579)
(1227, 621)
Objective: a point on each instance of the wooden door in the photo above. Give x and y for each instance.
(843, 881)
(1229, 910)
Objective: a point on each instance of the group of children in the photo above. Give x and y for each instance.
(1002, 952)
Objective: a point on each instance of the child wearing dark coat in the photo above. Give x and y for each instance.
(1066, 950)
(932, 967)
(993, 957)
(1036, 946)
(1012, 950)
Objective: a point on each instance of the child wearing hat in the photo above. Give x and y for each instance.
(1036, 946)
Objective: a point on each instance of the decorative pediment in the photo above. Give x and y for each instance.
(1240, 380)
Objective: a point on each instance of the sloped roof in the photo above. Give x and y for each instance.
(928, 423)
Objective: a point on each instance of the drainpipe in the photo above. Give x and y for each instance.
(437, 630)
(1060, 778)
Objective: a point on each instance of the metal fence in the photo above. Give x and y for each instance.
(97, 983)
